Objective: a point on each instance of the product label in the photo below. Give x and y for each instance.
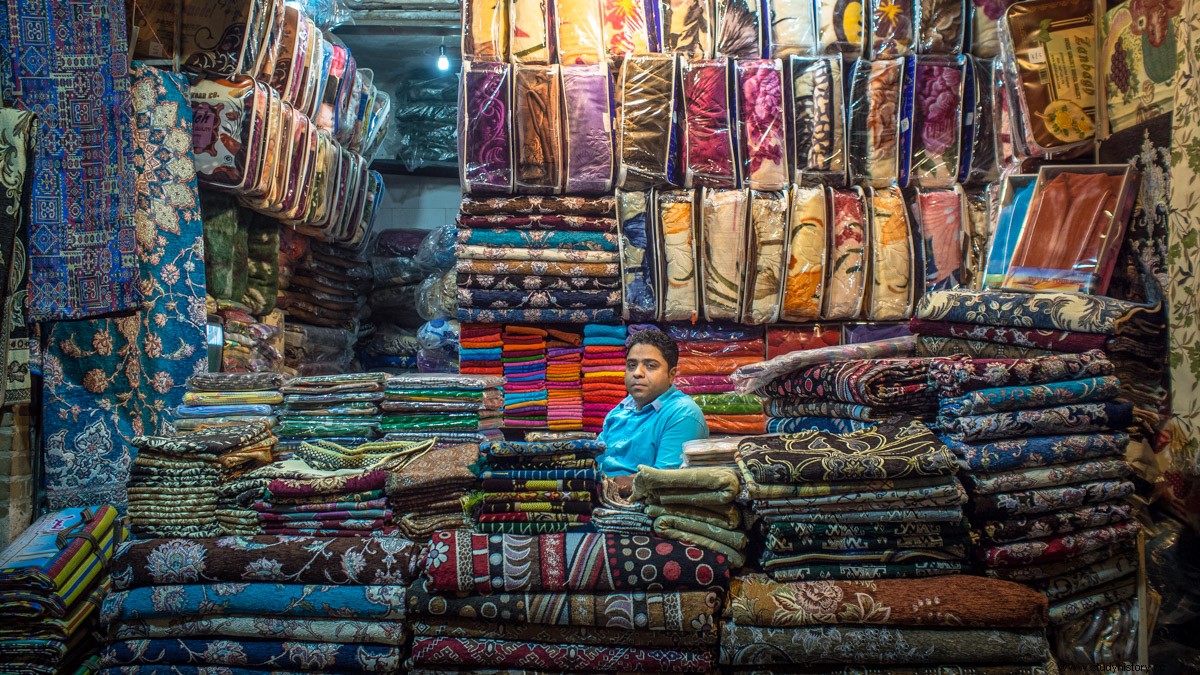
(1071, 62)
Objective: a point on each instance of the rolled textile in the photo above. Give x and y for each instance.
(537, 115)
(846, 284)
(804, 284)
(589, 131)
(897, 448)
(763, 646)
(485, 142)
(640, 300)
(959, 602)
(676, 215)
(765, 271)
(723, 225)
(888, 384)
(891, 290)
(710, 142)
(760, 112)
(957, 376)
(645, 122)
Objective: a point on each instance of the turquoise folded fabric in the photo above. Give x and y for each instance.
(1007, 399)
(268, 600)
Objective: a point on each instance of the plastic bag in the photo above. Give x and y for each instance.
(1014, 199)
(390, 340)
(761, 124)
(715, 332)
(437, 297)
(646, 122)
(687, 27)
(875, 121)
(485, 30)
(791, 27)
(764, 267)
(738, 32)
(529, 31)
(941, 26)
(485, 147)
(675, 210)
(710, 139)
(818, 109)
(724, 219)
(538, 119)
(839, 26)
(437, 251)
(937, 93)
(579, 32)
(941, 220)
(977, 237)
(891, 293)
(626, 29)
(589, 131)
(847, 275)
(978, 163)
(640, 299)
(892, 28)
(808, 237)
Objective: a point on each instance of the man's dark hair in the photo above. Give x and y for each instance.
(656, 338)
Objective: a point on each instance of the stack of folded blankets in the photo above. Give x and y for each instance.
(258, 604)
(538, 260)
(1042, 441)
(328, 288)
(720, 451)
(390, 349)
(570, 602)
(708, 354)
(342, 407)
(251, 344)
(950, 624)
(396, 276)
(52, 581)
(215, 399)
(480, 349)
(535, 487)
(603, 373)
(564, 380)
(313, 350)
(442, 439)
(695, 506)
(175, 481)
(617, 514)
(841, 388)
(329, 490)
(525, 394)
(426, 495)
(878, 503)
(432, 403)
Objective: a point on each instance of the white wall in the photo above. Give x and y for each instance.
(417, 202)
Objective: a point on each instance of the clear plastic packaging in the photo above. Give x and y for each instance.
(891, 294)
(1108, 635)
(941, 26)
(646, 121)
(579, 32)
(226, 114)
(246, 21)
(846, 283)
(818, 120)
(587, 96)
(892, 27)
(437, 298)
(537, 119)
(724, 220)
(1075, 227)
(875, 121)
(675, 211)
(839, 26)
(761, 124)
(390, 340)
(529, 31)
(1014, 197)
(808, 244)
(791, 27)
(937, 91)
(1050, 47)
(764, 266)
(637, 256)
(738, 32)
(710, 138)
(940, 216)
(437, 251)
(976, 237)
(687, 27)
(485, 30)
(626, 28)
(978, 154)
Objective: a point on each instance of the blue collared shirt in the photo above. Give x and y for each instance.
(653, 436)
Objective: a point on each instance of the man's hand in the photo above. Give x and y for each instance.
(624, 485)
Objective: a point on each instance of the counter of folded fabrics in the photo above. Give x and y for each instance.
(332, 406)
(1042, 442)
(216, 399)
(52, 580)
(535, 487)
(878, 503)
(566, 602)
(287, 603)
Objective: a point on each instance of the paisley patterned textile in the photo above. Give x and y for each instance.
(808, 235)
(765, 646)
(539, 222)
(645, 128)
(897, 448)
(108, 380)
(847, 269)
(537, 267)
(350, 631)
(539, 239)
(484, 652)
(1055, 340)
(215, 653)
(891, 292)
(1078, 418)
(1070, 312)
(283, 601)
(1005, 399)
(638, 610)
(942, 346)
(537, 316)
(17, 137)
(1024, 453)
(1053, 523)
(534, 282)
(1063, 474)
(890, 384)
(959, 602)
(958, 376)
(676, 216)
(537, 205)
(754, 377)
(640, 300)
(724, 220)
(764, 271)
(83, 242)
(293, 560)
(1059, 548)
(560, 563)
(1043, 500)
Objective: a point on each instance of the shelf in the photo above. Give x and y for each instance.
(392, 167)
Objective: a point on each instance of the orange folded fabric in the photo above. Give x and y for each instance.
(714, 365)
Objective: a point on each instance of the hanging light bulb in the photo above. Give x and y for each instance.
(443, 61)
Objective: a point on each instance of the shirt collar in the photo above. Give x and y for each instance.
(657, 403)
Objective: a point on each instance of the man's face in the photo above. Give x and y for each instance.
(646, 374)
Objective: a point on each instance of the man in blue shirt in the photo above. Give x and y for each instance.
(651, 425)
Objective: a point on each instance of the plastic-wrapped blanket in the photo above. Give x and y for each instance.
(646, 121)
(891, 257)
(723, 220)
(589, 139)
(764, 271)
(804, 282)
(637, 256)
(675, 212)
(847, 276)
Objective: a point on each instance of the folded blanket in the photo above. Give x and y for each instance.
(1052, 476)
(729, 543)
(1056, 340)
(484, 652)
(685, 486)
(944, 515)
(262, 654)
(589, 448)
(726, 516)
(957, 376)
(1053, 523)
(1028, 502)
(897, 384)
(539, 222)
(1088, 577)
(1023, 453)
(1006, 399)
(1059, 548)
(948, 494)
(1078, 418)
(1106, 596)
(349, 631)
(1073, 312)
(757, 490)
(833, 425)
(234, 382)
(571, 635)
(273, 599)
